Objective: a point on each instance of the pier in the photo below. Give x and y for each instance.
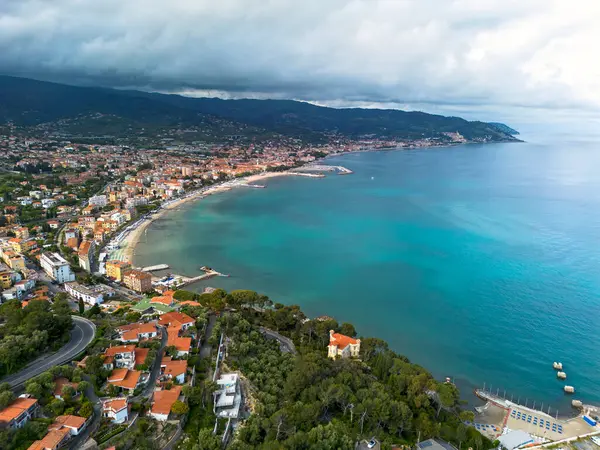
(155, 268)
(304, 174)
(543, 424)
(185, 281)
(341, 170)
(257, 186)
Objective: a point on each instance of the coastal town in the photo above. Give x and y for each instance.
(141, 362)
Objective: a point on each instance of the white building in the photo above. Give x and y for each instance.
(341, 346)
(25, 201)
(57, 267)
(92, 295)
(116, 409)
(228, 396)
(98, 200)
(48, 203)
(136, 201)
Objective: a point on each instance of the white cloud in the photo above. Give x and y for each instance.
(484, 53)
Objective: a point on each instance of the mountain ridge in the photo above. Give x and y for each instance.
(29, 103)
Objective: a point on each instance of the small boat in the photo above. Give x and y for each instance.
(577, 404)
(557, 365)
(569, 389)
(562, 375)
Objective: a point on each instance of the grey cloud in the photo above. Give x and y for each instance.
(427, 52)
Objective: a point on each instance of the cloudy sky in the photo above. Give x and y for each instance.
(437, 55)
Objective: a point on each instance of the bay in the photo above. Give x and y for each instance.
(479, 262)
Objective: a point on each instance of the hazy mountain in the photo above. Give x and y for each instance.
(29, 102)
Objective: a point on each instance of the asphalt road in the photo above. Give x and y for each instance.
(285, 344)
(81, 335)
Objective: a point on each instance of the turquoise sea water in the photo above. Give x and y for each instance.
(480, 262)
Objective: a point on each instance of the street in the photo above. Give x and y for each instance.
(82, 334)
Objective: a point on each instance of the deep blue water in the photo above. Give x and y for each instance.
(480, 262)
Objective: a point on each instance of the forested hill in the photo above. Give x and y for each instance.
(27, 102)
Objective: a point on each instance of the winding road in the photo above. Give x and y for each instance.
(81, 335)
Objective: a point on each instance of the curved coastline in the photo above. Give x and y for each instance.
(132, 238)
(538, 391)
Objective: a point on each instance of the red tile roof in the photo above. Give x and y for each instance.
(69, 421)
(51, 440)
(163, 300)
(140, 355)
(16, 408)
(60, 383)
(163, 400)
(174, 368)
(341, 340)
(112, 351)
(115, 404)
(175, 318)
(127, 380)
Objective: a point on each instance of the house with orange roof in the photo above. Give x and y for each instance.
(140, 355)
(125, 379)
(52, 441)
(176, 319)
(16, 244)
(74, 424)
(342, 346)
(136, 332)
(162, 402)
(173, 369)
(188, 303)
(59, 432)
(19, 412)
(182, 344)
(60, 383)
(162, 300)
(119, 356)
(116, 409)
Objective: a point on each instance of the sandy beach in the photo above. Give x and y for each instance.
(129, 242)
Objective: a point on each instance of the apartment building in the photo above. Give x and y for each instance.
(56, 267)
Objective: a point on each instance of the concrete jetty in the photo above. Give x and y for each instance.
(155, 268)
(185, 281)
(341, 170)
(310, 175)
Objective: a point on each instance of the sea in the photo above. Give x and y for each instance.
(478, 262)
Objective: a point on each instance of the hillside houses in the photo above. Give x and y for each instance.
(137, 332)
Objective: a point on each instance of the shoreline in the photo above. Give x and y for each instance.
(198, 195)
(130, 240)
